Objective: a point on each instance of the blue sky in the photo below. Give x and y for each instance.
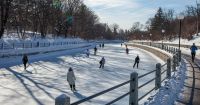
(126, 12)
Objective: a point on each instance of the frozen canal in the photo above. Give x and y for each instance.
(48, 78)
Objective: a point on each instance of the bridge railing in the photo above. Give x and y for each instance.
(134, 98)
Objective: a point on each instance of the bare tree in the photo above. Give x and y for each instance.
(4, 14)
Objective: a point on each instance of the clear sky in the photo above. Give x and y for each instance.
(126, 12)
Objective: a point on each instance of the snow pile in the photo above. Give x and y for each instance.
(168, 93)
(195, 39)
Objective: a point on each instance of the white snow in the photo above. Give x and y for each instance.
(170, 90)
(49, 76)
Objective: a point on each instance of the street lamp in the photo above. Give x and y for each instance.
(163, 31)
(150, 38)
(180, 17)
(197, 10)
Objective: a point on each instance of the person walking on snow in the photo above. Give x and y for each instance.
(25, 61)
(102, 62)
(137, 60)
(193, 49)
(71, 79)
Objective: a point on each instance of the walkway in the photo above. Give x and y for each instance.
(191, 91)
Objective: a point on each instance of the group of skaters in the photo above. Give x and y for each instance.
(101, 45)
(71, 77)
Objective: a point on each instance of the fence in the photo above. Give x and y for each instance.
(160, 70)
(18, 49)
(6, 46)
(166, 44)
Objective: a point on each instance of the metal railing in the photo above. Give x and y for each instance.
(166, 69)
(24, 45)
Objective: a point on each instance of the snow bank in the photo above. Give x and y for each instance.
(170, 90)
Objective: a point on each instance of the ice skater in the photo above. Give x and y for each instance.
(95, 50)
(71, 79)
(127, 51)
(103, 45)
(102, 62)
(25, 61)
(137, 60)
(87, 53)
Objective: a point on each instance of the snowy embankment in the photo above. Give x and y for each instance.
(10, 47)
(170, 90)
(196, 40)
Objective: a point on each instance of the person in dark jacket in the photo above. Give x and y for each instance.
(193, 49)
(127, 51)
(25, 61)
(102, 62)
(71, 79)
(137, 60)
(95, 50)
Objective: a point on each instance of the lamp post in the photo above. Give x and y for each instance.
(150, 38)
(180, 17)
(163, 31)
(197, 10)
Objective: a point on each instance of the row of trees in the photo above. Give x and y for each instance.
(55, 17)
(167, 20)
(74, 18)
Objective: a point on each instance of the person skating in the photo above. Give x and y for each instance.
(25, 61)
(71, 79)
(95, 50)
(103, 45)
(193, 49)
(121, 44)
(102, 62)
(137, 60)
(127, 51)
(87, 53)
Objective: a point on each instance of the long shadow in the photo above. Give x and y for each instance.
(193, 86)
(38, 85)
(182, 102)
(12, 90)
(17, 75)
(79, 96)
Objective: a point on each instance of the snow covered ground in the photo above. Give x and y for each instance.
(46, 78)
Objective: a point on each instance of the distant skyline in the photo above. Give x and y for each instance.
(126, 12)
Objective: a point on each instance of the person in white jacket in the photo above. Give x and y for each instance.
(71, 79)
